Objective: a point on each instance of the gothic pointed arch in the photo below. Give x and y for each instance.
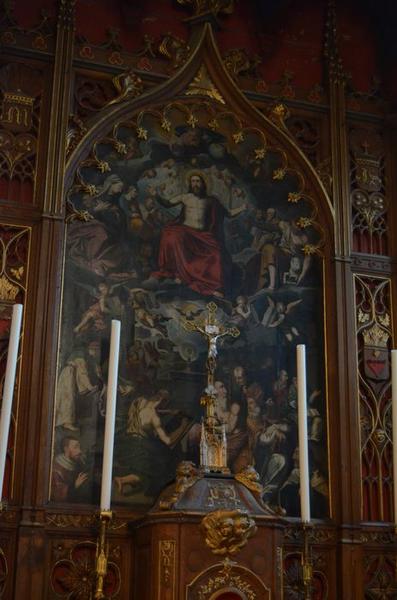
(176, 196)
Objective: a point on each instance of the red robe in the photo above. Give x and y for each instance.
(193, 256)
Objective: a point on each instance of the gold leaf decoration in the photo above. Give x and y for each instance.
(202, 85)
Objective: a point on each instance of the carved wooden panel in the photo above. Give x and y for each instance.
(368, 191)
(21, 88)
(373, 314)
(380, 578)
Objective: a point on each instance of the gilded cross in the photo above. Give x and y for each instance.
(212, 331)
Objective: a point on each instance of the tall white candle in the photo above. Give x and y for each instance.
(302, 428)
(394, 426)
(106, 487)
(8, 390)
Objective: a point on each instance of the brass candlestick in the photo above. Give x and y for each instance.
(307, 566)
(102, 553)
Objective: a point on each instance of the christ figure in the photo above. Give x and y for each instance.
(191, 247)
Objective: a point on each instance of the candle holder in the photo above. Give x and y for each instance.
(307, 563)
(102, 553)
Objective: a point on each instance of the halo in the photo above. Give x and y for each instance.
(198, 173)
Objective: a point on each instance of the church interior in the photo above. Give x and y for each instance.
(196, 232)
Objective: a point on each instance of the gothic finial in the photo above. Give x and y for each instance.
(209, 7)
(334, 62)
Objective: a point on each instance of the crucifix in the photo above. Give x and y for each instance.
(213, 434)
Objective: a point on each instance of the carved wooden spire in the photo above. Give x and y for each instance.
(333, 60)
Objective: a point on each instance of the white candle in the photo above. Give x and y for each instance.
(106, 487)
(8, 390)
(303, 440)
(394, 426)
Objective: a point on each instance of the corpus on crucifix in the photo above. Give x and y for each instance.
(213, 449)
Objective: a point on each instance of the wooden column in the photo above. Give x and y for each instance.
(349, 475)
(46, 281)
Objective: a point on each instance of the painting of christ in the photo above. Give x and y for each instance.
(177, 220)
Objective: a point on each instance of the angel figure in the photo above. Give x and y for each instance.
(277, 315)
(244, 312)
(99, 313)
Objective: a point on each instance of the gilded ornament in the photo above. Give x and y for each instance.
(294, 197)
(186, 476)
(279, 174)
(141, 133)
(384, 320)
(249, 477)
(167, 550)
(90, 189)
(175, 49)
(128, 85)
(18, 273)
(362, 317)
(309, 249)
(376, 336)
(192, 120)
(166, 124)
(8, 291)
(279, 114)
(206, 591)
(202, 85)
(304, 222)
(120, 147)
(237, 62)
(74, 214)
(260, 153)
(238, 137)
(226, 532)
(103, 166)
(213, 124)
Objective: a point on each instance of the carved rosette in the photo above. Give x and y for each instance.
(73, 573)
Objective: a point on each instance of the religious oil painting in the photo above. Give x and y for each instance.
(166, 215)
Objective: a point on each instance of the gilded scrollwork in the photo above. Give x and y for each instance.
(249, 477)
(239, 63)
(175, 49)
(228, 577)
(128, 85)
(167, 552)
